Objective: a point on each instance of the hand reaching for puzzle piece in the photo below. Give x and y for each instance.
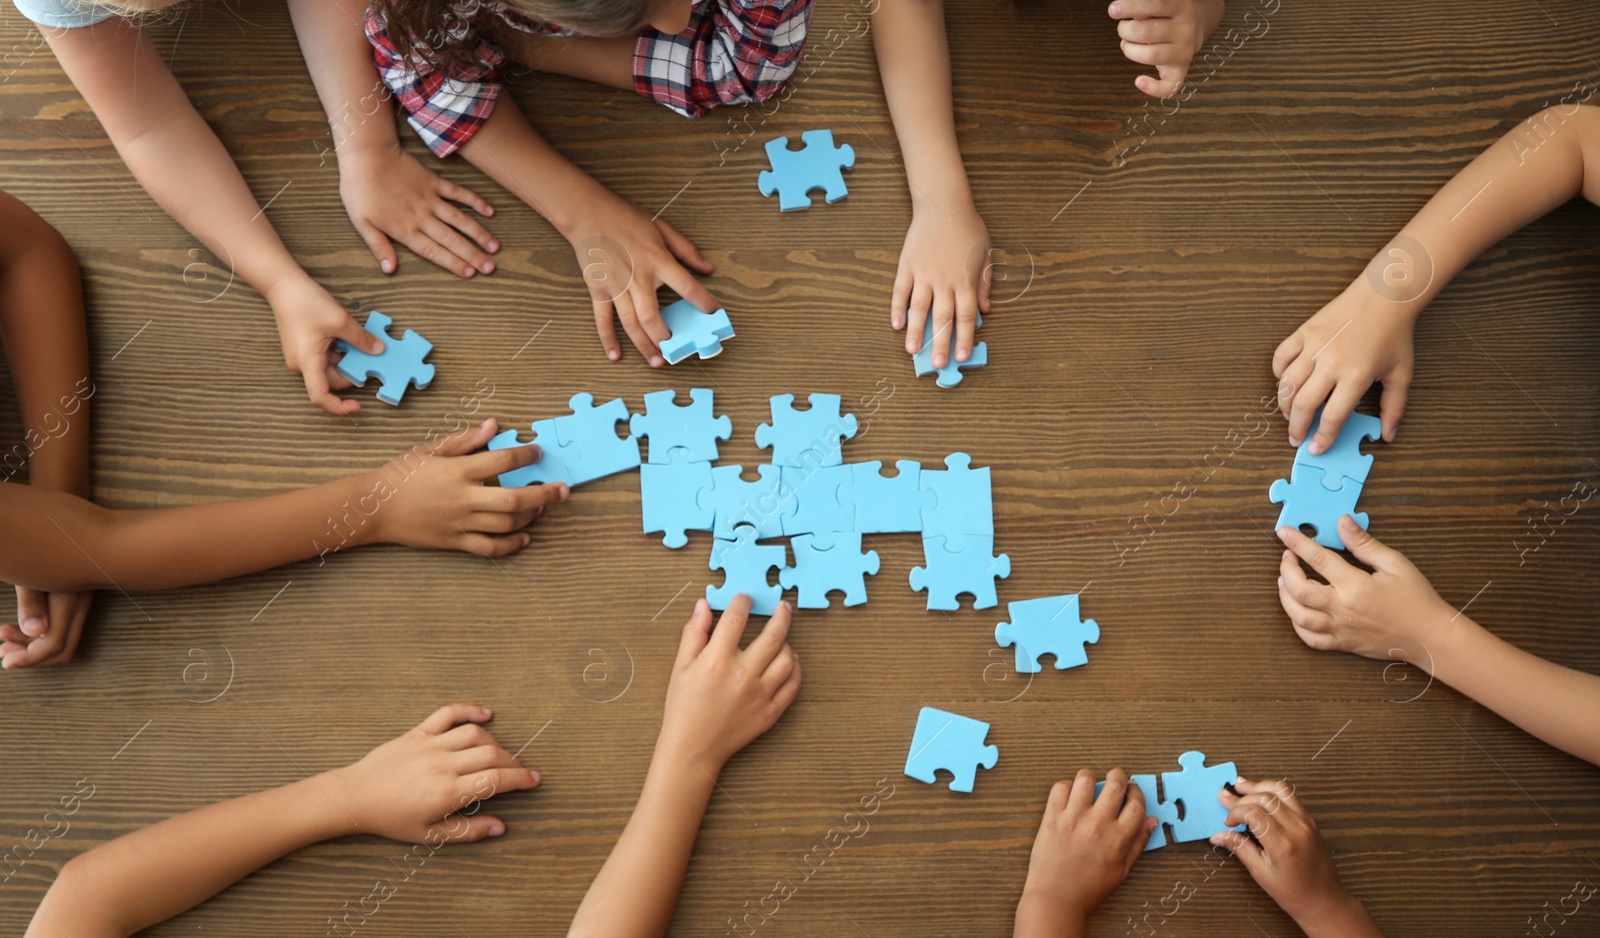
(1167, 34)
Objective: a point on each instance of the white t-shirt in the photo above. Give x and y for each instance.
(64, 14)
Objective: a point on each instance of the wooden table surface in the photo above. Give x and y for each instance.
(1148, 276)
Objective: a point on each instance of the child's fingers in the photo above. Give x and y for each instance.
(479, 758)
(683, 283)
(353, 333)
(1248, 852)
(684, 250)
(465, 442)
(496, 462)
(696, 633)
(33, 613)
(492, 546)
(1302, 588)
(316, 383)
(1114, 794)
(730, 627)
(1146, 30)
(966, 322)
(1136, 843)
(1081, 797)
(378, 244)
(944, 327)
(449, 715)
(1341, 404)
(777, 673)
(1142, 9)
(764, 649)
(474, 201)
(647, 309)
(494, 522)
(1133, 809)
(1056, 801)
(1287, 352)
(462, 829)
(786, 694)
(899, 298)
(636, 333)
(519, 501)
(1333, 568)
(1368, 549)
(1306, 401)
(1255, 811)
(605, 325)
(465, 257)
(1159, 53)
(1168, 84)
(490, 782)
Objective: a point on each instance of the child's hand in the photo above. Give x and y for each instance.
(1335, 356)
(1390, 613)
(414, 788)
(389, 194)
(1288, 859)
(309, 321)
(1085, 847)
(434, 495)
(47, 629)
(625, 255)
(944, 272)
(721, 698)
(1167, 34)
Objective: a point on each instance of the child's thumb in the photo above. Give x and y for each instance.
(352, 333)
(461, 829)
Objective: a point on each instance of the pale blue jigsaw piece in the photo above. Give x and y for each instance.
(817, 509)
(734, 501)
(693, 332)
(1306, 500)
(969, 567)
(950, 375)
(802, 438)
(1342, 462)
(1163, 813)
(878, 505)
(795, 173)
(668, 499)
(744, 565)
(1195, 789)
(841, 567)
(1047, 626)
(594, 430)
(669, 426)
(557, 463)
(965, 505)
(951, 742)
(401, 363)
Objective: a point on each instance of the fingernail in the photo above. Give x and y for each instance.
(1293, 441)
(33, 627)
(613, 355)
(1280, 581)
(1283, 535)
(526, 539)
(467, 272)
(656, 361)
(486, 711)
(533, 776)
(488, 267)
(493, 246)
(386, 266)
(496, 829)
(565, 490)
(1348, 523)
(377, 347)
(1315, 448)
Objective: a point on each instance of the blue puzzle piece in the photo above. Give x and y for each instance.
(965, 505)
(744, 565)
(670, 425)
(1306, 500)
(841, 567)
(557, 463)
(802, 438)
(795, 173)
(761, 504)
(594, 429)
(668, 498)
(693, 332)
(400, 364)
(950, 374)
(951, 742)
(1047, 626)
(817, 511)
(1163, 813)
(1195, 789)
(878, 505)
(1342, 462)
(967, 568)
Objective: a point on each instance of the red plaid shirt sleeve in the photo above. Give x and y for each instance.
(733, 52)
(445, 110)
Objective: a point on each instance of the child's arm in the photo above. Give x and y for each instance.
(386, 191)
(1394, 613)
(1167, 34)
(944, 267)
(1290, 862)
(1084, 850)
(410, 789)
(181, 163)
(1365, 334)
(719, 700)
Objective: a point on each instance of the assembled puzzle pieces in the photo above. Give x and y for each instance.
(965, 500)
(795, 173)
(817, 511)
(842, 567)
(401, 363)
(875, 504)
(956, 566)
(950, 742)
(1343, 461)
(668, 498)
(670, 425)
(693, 332)
(950, 375)
(557, 463)
(1195, 791)
(803, 438)
(1163, 813)
(744, 565)
(601, 452)
(762, 505)
(1307, 500)
(1047, 626)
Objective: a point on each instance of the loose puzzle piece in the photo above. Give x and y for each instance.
(668, 498)
(594, 429)
(1343, 461)
(761, 505)
(744, 565)
(965, 505)
(968, 568)
(1306, 500)
(557, 463)
(878, 505)
(670, 425)
(1163, 813)
(950, 375)
(795, 173)
(803, 438)
(842, 567)
(1194, 790)
(1047, 626)
(399, 365)
(694, 332)
(950, 742)
(814, 492)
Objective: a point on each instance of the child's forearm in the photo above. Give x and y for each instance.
(509, 151)
(152, 874)
(914, 59)
(334, 42)
(637, 888)
(1043, 917)
(1346, 919)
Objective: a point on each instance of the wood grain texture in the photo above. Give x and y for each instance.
(1143, 299)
